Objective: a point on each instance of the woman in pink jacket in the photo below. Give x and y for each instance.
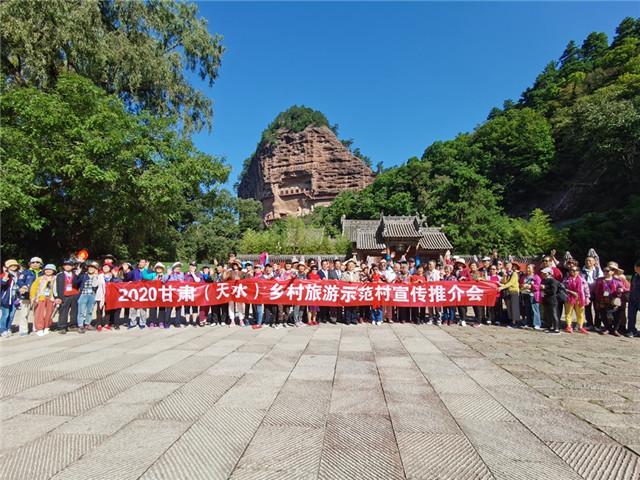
(577, 300)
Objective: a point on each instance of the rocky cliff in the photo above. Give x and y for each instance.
(298, 171)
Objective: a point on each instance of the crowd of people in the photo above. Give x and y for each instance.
(539, 295)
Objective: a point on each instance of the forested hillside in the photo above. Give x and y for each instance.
(569, 146)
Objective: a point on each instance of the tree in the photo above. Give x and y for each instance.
(536, 235)
(137, 50)
(570, 59)
(628, 27)
(79, 170)
(295, 119)
(250, 214)
(594, 47)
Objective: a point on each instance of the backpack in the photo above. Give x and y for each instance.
(562, 294)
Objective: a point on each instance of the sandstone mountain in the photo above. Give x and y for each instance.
(296, 171)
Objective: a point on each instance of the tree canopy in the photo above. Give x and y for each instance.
(138, 50)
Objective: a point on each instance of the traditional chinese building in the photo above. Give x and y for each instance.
(406, 235)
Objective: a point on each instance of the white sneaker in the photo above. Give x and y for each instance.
(438, 322)
(40, 333)
(429, 322)
(536, 328)
(463, 323)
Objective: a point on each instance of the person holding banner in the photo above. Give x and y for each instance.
(158, 315)
(236, 309)
(176, 275)
(191, 311)
(106, 319)
(351, 276)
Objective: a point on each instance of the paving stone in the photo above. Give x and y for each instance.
(23, 428)
(157, 363)
(54, 388)
(13, 384)
(105, 419)
(146, 392)
(434, 420)
(223, 432)
(290, 448)
(128, 453)
(478, 407)
(191, 400)
(101, 370)
(598, 461)
(87, 397)
(58, 450)
(428, 456)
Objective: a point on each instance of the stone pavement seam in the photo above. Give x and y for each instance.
(229, 388)
(475, 449)
(514, 414)
(384, 394)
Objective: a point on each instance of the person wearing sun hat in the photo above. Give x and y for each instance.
(158, 315)
(10, 298)
(106, 319)
(66, 292)
(43, 300)
(25, 279)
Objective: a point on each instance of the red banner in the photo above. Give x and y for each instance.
(328, 293)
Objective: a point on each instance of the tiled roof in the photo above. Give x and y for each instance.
(367, 240)
(433, 239)
(254, 258)
(350, 228)
(400, 227)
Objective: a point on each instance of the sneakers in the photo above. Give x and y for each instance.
(152, 325)
(536, 327)
(583, 330)
(255, 327)
(99, 328)
(142, 327)
(554, 332)
(568, 330)
(62, 331)
(161, 325)
(40, 333)
(107, 327)
(429, 322)
(81, 330)
(463, 323)
(131, 325)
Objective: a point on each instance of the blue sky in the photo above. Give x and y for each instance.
(395, 76)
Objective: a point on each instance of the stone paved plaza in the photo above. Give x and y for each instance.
(330, 402)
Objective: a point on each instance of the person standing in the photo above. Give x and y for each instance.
(312, 310)
(106, 319)
(351, 276)
(476, 275)
(633, 306)
(139, 274)
(88, 287)
(591, 272)
(299, 310)
(25, 280)
(10, 296)
(43, 300)
(236, 309)
(577, 300)
(449, 312)
(66, 292)
(191, 311)
(158, 315)
(608, 302)
(530, 292)
(432, 274)
(511, 286)
(324, 315)
(176, 275)
(550, 287)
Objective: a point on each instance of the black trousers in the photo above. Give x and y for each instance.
(323, 314)
(108, 317)
(219, 313)
(157, 315)
(551, 319)
(69, 306)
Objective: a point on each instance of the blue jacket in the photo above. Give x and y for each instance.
(26, 279)
(9, 291)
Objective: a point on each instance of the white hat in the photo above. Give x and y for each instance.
(486, 259)
(36, 259)
(547, 271)
(49, 266)
(176, 264)
(159, 265)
